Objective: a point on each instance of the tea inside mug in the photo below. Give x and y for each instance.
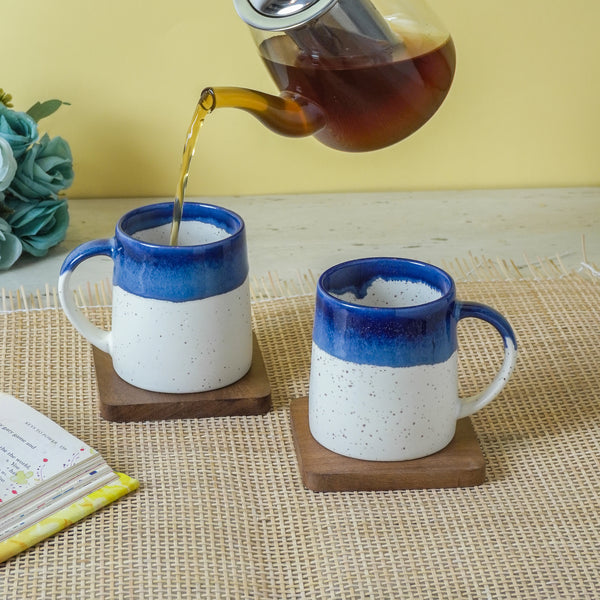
(191, 233)
(390, 293)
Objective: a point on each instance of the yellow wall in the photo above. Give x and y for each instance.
(524, 109)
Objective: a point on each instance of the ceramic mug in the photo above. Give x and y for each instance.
(383, 380)
(180, 314)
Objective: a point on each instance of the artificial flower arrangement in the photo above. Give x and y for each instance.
(34, 171)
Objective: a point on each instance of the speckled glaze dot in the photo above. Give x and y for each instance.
(383, 381)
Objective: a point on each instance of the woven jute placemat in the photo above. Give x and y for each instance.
(222, 512)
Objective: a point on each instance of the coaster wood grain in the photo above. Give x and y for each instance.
(460, 464)
(121, 401)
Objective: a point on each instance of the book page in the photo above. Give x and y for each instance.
(33, 448)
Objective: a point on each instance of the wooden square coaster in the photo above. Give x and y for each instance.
(460, 464)
(121, 401)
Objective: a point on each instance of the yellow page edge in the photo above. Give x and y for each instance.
(67, 516)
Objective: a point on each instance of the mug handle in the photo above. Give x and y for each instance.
(98, 337)
(481, 311)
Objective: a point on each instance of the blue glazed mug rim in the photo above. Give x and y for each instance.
(162, 213)
(419, 269)
(172, 273)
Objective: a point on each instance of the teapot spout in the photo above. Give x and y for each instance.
(288, 115)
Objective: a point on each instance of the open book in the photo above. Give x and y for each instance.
(49, 479)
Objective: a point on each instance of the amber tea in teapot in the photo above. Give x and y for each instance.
(371, 101)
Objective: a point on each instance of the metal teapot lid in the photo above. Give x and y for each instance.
(279, 15)
(315, 25)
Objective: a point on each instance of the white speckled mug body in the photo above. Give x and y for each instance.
(382, 413)
(181, 314)
(383, 380)
(181, 347)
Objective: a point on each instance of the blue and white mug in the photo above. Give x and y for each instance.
(383, 380)
(180, 314)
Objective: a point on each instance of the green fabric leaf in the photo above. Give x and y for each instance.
(41, 110)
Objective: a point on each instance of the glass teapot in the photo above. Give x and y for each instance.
(358, 75)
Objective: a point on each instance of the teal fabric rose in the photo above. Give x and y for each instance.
(33, 172)
(39, 226)
(18, 129)
(8, 164)
(10, 245)
(44, 171)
